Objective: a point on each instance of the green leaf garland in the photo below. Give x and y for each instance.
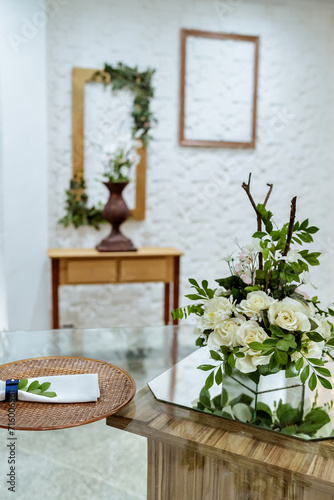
(139, 83)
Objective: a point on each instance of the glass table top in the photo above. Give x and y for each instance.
(276, 404)
(91, 461)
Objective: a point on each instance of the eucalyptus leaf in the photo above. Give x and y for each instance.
(289, 431)
(242, 398)
(33, 386)
(242, 412)
(22, 383)
(45, 386)
(282, 345)
(263, 407)
(313, 421)
(49, 394)
(288, 415)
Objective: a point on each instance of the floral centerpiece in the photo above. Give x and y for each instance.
(118, 159)
(118, 162)
(258, 320)
(118, 166)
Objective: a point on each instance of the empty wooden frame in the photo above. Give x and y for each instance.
(80, 76)
(218, 89)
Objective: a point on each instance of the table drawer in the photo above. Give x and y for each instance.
(83, 271)
(142, 270)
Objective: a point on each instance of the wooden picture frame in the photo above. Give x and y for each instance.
(81, 76)
(185, 33)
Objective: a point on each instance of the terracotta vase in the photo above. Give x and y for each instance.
(116, 212)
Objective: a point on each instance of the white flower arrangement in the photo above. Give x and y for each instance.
(119, 157)
(259, 321)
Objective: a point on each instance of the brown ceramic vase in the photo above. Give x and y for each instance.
(116, 212)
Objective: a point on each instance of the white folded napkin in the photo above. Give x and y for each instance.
(82, 388)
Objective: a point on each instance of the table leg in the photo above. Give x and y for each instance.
(167, 296)
(55, 298)
(176, 287)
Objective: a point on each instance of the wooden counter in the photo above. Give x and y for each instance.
(196, 456)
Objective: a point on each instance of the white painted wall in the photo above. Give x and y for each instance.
(24, 162)
(194, 199)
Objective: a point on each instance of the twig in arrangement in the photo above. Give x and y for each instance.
(246, 187)
(268, 194)
(291, 224)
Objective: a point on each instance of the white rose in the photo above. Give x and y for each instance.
(295, 356)
(250, 331)
(290, 314)
(251, 360)
(314, 349)
(310, 349)
(200, 327)
(216, 310)
(324, 329)
(255, 302)
(225, 333)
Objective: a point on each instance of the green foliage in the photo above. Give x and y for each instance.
(278, 274)
(184, 312)
(140, 84)
(235, 285)
(285, 418)
(78, 212)
(117, 165)
(122, 76)
(273, 267)
(36, 388)
(201, 292)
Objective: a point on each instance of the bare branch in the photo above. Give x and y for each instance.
(246, 187)
(291, 224)
(269, 193)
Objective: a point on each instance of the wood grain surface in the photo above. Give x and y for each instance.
(199, 456)
(58, 253)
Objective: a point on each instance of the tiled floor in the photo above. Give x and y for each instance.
(92, 461)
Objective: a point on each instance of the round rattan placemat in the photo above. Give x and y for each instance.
(117, 388)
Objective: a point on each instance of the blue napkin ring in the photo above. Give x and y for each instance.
(12, 387)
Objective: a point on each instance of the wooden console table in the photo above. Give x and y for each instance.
(79, 266)
(192, 455)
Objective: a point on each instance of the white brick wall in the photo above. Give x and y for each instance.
(194, 199)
